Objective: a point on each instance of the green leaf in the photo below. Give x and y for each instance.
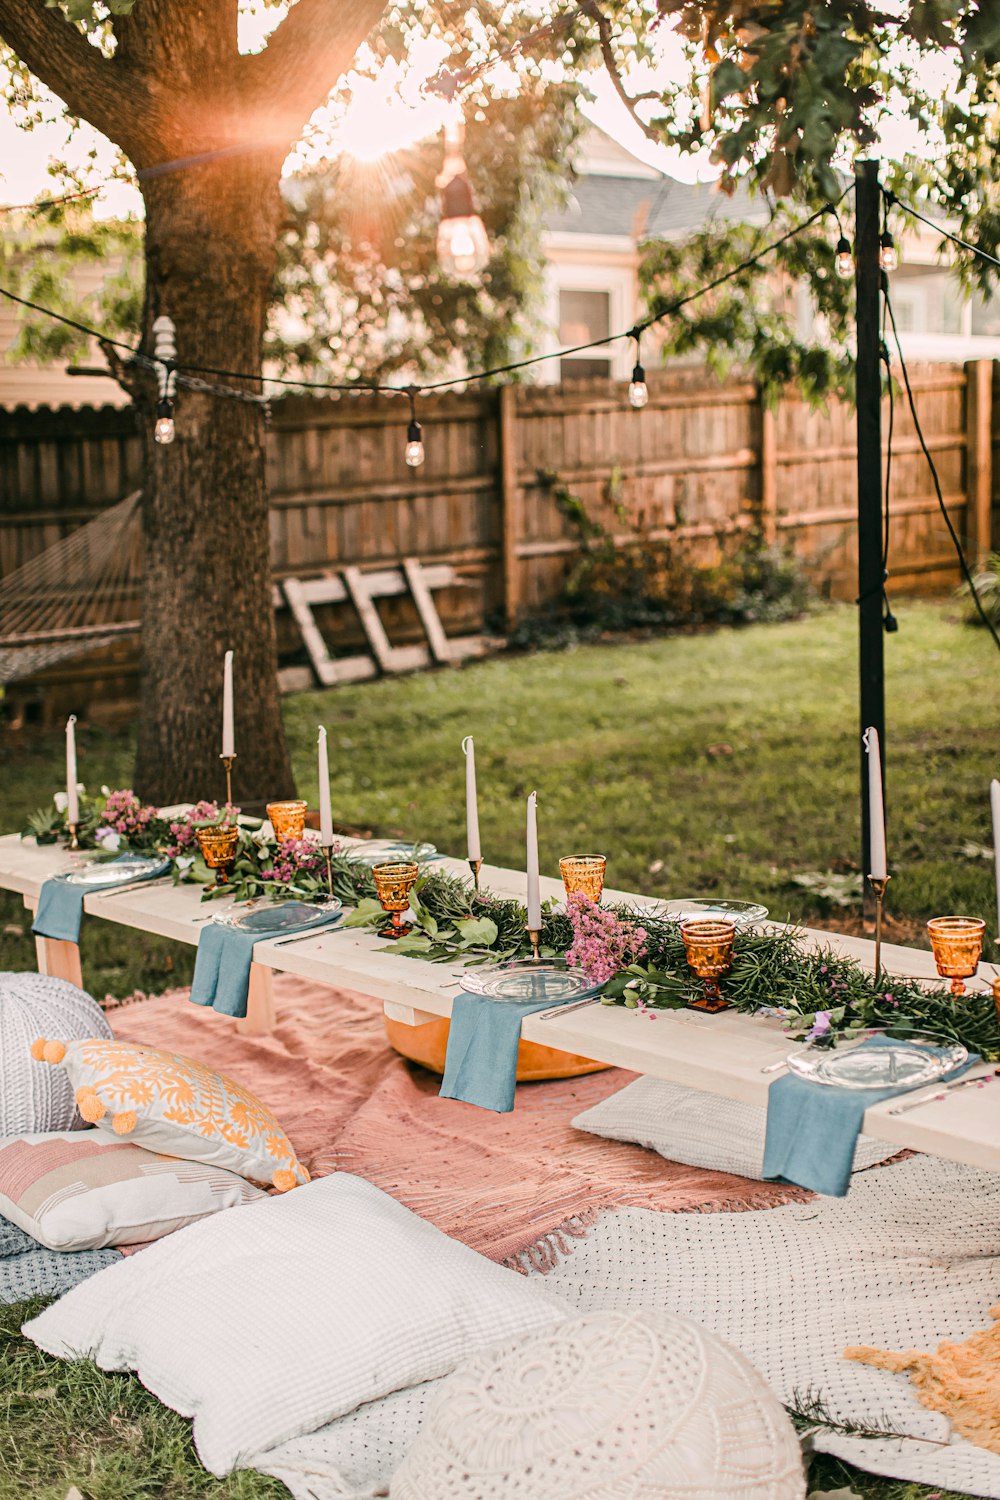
(365, 914)
(477, 932)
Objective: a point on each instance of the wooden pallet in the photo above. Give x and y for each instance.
(361, 590)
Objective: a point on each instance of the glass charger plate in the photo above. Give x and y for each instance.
(288, 916)
(898, 1063)
(524, 979)
(123, 871)
(375, 852)
(742, 913)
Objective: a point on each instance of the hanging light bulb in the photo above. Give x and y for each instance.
(887, 257)
(164, 431)
(638, 391)
(414, 450)
(843, 258)
(463, 248)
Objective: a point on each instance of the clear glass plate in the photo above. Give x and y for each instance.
(286, 916)
(524, 979)
(896, 1063)
(375, 852)
(743, 913)
(125, 870)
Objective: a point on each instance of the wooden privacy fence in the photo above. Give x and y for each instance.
(700, 461)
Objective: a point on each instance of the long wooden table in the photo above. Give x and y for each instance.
(724, 1054)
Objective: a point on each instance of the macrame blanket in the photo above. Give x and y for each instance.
(520, 1188)
(910, 1257)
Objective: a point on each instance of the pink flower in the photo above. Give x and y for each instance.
(602, 945)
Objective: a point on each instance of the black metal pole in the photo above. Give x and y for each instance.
(867, 206)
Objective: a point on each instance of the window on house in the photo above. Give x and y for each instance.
(583, 317)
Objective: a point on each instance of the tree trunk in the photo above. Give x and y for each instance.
(210, 246)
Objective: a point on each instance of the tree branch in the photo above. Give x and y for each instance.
(58, 54)
(311, 49)
(591, 9)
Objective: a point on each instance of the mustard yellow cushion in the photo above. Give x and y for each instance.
(176, 1106)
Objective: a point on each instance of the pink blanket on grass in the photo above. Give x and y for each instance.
(519, 1188)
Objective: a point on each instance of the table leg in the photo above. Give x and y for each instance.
(260, 1017)
(59, 959)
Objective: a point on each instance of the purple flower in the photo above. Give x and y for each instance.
(820, 1026)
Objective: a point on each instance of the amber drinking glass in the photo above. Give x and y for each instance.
(218, 850)
(393, 883)
(957, 943)
(583, 874)
(288, 819)
(708, 944)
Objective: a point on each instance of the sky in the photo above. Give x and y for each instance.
(386, 115)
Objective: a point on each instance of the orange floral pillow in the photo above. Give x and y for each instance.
(176, 1106)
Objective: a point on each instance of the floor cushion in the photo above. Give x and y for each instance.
(32, 1005)
(177, 1106)
(83, 1190)
(428, 1045)
(268, 1321)
(608, 1406)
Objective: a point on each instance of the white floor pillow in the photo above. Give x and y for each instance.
(697, 1129)
(267, 1321)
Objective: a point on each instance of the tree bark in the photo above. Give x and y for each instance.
(210, 247)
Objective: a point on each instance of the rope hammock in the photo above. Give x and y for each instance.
(75, 597)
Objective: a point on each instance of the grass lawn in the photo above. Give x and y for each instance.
(725, 762)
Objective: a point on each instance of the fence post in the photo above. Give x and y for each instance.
(511, 507)
(768, 471)
(979, 455)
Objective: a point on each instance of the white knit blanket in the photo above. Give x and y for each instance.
(910, 1256)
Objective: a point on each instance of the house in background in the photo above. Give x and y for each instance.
(591, 288)
(592, 257)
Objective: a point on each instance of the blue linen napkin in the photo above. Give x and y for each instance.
(60, 910)
(481, 1061)
(813, 1129)
(222, 965)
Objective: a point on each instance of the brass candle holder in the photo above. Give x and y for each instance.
(218, 850)
(708, 946)
(74, 832)
(393, 883)
(584, 874)
(535, 938)
(878, 884)
(475, 865)
(227, 761)
(957, 943)
(328, 856)
(288, 819)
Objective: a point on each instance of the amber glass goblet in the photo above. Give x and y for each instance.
(708, 944)
(393, 883)
(583, 874)
(957, 943)
(218, 850)
(288, 819)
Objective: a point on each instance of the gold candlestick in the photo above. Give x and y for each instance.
(475, 865)
(74, 829)
(534, 938)
(328, 856)
(878, 884)
(227, 761)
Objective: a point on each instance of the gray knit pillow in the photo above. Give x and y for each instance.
(34, 1096)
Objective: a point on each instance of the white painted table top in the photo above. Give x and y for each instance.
(722, 1054)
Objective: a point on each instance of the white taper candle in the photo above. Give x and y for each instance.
(995, 805)
(534, 891)
(72, 799)
(877, 866)
(325, 813)
(228, 737)
(471, 800)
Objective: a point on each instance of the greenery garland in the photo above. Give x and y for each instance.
(816, 992)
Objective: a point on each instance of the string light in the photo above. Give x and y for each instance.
(164, 354)
(887, 257)
(638, 391)
(414, 451)
(463, 248)
(844, 258)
